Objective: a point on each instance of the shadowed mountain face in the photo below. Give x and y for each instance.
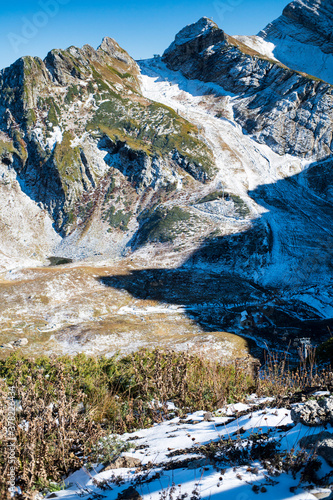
(214, 284)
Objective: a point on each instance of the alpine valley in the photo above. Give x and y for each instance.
(183, 201)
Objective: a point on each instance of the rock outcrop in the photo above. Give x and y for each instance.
(321, 443)
(289, 111)
(313, 412)
(75, 126)
(303, 37)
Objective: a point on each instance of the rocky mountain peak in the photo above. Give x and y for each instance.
(192, 40)
(111, 47)
(303, 37)
(263, 85)
(203, 27)
(316, 16)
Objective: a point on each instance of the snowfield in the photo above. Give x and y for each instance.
(170, 454)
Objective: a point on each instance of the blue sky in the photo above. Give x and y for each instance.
(142, 28)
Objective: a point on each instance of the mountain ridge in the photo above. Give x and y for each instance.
(215, 158)
(263, 87)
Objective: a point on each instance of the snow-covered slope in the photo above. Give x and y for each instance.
(175, 465)
(298, 221)
(302, 37)
(258, 44)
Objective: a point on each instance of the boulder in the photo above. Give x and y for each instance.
(322, 443)
(129, 494)
(123, 463)
(313, 413)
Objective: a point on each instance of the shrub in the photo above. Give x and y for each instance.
(160, 224)
(67, 406)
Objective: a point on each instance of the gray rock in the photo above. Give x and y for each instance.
(321, 493)
(208, 417)
(313, 413)
(124, 463)
(129, 494)
(81, 408)
(322, 443)
(199, 463)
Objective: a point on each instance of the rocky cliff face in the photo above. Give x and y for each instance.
(303, 37)
(287, 110)
(78, 138)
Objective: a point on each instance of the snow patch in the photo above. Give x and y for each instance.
(259, 44)
(56, 136)
(180, 439)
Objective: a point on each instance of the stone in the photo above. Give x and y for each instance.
(313, 412)
(124, 463)
(208, 417)
(198, 463)
(322, 443)
(81, 408)
(321, 493)
(129, 494)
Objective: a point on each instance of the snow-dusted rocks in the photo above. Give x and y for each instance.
(313, 412)
(322, 443)
(186, 456)
(288, 111)
(302, 37)
(192, 40)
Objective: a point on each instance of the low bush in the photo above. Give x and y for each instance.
(67, 407)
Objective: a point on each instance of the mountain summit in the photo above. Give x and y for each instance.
(196, 37)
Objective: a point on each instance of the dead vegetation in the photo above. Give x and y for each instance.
(64, 406)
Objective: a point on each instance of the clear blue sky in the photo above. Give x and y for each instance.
(141, 27)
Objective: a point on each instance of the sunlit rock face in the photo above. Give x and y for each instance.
(288, 111)
(303, 37)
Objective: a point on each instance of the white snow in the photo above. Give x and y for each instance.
(296, 47)
(172, 309)
(183, 438)
(50, 141)
(56, 136)
(243, 164)
(259, 44)
(310, 58)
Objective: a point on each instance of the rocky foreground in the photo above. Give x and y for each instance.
(243, 450)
